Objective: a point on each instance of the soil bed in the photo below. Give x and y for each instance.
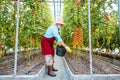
(25, 66)
(79, 64)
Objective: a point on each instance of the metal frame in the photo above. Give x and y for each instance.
(16, 43)
(54, 1)
(60, 7)
(44, 1)
(119, 19)
(54, 10)
(90, 45)
(55, 4)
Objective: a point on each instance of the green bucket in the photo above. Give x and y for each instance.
(60, 51)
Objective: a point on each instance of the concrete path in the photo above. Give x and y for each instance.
(61, 74)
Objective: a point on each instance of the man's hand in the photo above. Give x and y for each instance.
(68, 49)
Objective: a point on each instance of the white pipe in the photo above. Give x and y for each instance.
(119, 18)
(90, 47)
(54, 10)
(16, 43)
(60, 8)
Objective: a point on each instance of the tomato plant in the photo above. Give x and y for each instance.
(104, 22)
(35, 17)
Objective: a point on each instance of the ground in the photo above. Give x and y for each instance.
(79, 64)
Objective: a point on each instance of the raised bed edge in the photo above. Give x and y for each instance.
(88, 77)
(37, 76)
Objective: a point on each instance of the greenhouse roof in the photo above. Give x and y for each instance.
(56, 7)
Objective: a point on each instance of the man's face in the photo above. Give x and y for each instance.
(59, 26)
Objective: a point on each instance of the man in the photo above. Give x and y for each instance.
(52, 34)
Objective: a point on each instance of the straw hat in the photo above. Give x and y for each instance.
(59, 21)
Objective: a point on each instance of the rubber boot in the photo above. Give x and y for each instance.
(50, 71)
(54, 68)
